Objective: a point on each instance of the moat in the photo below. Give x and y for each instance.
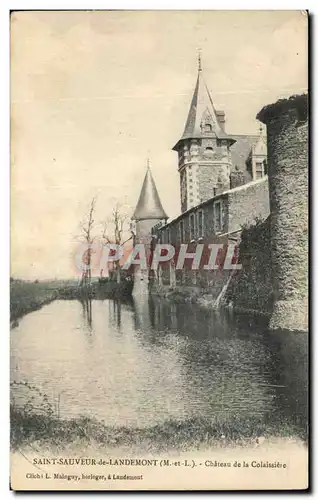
(143, 363)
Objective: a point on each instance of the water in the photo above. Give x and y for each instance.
(142, 363)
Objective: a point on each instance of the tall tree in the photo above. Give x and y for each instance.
(117, 223)
(87, 226)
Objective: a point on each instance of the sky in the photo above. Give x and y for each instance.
(94, 94)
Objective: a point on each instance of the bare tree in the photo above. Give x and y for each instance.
(87, 225)
(104, 240)
(119, 226)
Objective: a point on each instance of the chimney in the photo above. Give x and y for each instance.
(221, 119)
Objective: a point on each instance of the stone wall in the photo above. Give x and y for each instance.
(213, 179)
(287, 136)
(248, 203)
(237, 208)
(208, 158)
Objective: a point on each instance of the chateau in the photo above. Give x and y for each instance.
(223, 186)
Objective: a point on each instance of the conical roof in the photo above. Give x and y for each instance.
(149, 205)
(201, 107)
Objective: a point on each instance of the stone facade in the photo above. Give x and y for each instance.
(287, 130)
(218, 220)
(204, 166)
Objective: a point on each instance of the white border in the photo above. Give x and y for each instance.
(5, 7)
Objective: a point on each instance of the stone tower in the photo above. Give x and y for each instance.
(287, 143)
(148, 213)
(204, 159)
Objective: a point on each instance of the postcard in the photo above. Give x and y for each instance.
(159, 250)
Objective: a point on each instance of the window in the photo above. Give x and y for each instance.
(181, 231)
(168, 235)
(192, 227)
(200, 224)
(214, 191)
(259, 168)
(207, 127)
(217, 216)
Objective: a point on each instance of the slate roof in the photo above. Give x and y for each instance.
(201, 103)
(149, 205)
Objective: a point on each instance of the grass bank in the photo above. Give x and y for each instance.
(49, 431)
(27, 296)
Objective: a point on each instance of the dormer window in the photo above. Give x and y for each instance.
(208, 128)
(259, 169)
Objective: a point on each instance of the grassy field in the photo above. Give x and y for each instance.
(35, 421)
(50, 431)
(27, 296)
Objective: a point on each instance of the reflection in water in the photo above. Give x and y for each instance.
(87, 312)
(145, 361)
